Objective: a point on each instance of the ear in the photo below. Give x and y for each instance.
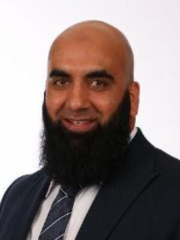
(134, 90)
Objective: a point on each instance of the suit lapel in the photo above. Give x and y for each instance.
(29, 205)
(115, 198)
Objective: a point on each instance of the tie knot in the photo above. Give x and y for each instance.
(70, 191)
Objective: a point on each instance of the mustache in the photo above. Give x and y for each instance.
(71, 118)
(84, 114)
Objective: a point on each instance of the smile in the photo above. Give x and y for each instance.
(80, 125)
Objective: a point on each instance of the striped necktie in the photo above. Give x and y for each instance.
(59, 214)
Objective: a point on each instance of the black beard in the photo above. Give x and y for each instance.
(81, 159)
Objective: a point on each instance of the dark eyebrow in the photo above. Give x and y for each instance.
(99, 74)
(58, 73)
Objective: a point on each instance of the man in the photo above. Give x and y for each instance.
(100, 178)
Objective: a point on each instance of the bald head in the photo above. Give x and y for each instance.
(103, 34)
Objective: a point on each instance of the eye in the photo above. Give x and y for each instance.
(99, 84)
(60, 82)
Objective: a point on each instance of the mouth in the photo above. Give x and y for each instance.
(79, 125)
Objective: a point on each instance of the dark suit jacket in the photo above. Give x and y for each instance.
(141, 203)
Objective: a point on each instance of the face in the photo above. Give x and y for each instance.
(86, 83)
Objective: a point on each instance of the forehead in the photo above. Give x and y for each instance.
(82, 53)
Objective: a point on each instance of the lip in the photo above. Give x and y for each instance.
(79, 125)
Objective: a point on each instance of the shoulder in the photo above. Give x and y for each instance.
(18, 187)
(163, 163)
(22, 182)
(168, 169)
(167, 165)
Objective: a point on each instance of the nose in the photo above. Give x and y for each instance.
(78, 98)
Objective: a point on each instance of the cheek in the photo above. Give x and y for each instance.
(106, 105)
(54, 100)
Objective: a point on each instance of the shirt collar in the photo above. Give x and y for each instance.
(133, 133)
(50, 188)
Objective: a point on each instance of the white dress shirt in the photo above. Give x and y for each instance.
(82, 203)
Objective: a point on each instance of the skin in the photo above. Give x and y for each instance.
(90, 67)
